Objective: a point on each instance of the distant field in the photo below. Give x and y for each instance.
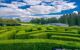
(39, 37)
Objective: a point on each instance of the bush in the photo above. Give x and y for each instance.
(21, 34)
(2, 31)
(8, 35)
(41, 28)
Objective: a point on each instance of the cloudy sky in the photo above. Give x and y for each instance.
(38, 8)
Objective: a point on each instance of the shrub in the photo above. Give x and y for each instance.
(21, 35)
(2, 31)
(8, 35)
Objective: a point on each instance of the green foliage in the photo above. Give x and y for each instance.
(7, 35)
(44, 20)
(21, 35)
(67, 38)
(70, 19)
(9, 22)
(37, 44)
(39, 37)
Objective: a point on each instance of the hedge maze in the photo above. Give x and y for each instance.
(39, 37)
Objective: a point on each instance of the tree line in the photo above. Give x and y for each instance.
(70, 19)
(44, 20)
(9, 22)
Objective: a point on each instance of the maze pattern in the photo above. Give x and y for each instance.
(39, 37)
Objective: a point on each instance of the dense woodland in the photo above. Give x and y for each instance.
(70, 19)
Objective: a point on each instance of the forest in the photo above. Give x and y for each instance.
(70, 19)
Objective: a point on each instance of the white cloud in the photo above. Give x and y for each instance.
(32, 2)
(9, 5)
(76, 12)
(67, 6)
(47, 0)
(58, 2)
(40, 9)
(58, 6)
(11, 11)
(49, 16)
(18, 3)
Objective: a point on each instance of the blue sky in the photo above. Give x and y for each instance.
(37, 8)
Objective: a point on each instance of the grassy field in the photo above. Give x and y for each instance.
(39, 37)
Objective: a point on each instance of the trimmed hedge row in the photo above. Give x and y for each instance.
(37, 44)
(25, 35)
(39, 37)
(21, 34)
(1, 31)
(8, 35)
(63, 34)
(67, 38)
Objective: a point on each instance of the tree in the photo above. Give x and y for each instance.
(8, 22)
(18, 20)
(70, 19)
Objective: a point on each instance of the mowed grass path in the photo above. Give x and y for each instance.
(39, 37)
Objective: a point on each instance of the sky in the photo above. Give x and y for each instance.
(38, 8)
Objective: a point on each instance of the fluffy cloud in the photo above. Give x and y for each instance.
(44, 8)
(76, 12)
(12, 11)
(13, 8)
(49, 16)
(5, 10)
(37, 7)
(48, 0)
(32, 2)
(58, 7)
(40, 9)
(67, 6)
(18, 3)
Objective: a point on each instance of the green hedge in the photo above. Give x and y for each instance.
(21, 34)
(25, 35)
(8, 35)
(67, 38)
(2, 31)
(37, 44)
(39, 36)
(63, 34)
